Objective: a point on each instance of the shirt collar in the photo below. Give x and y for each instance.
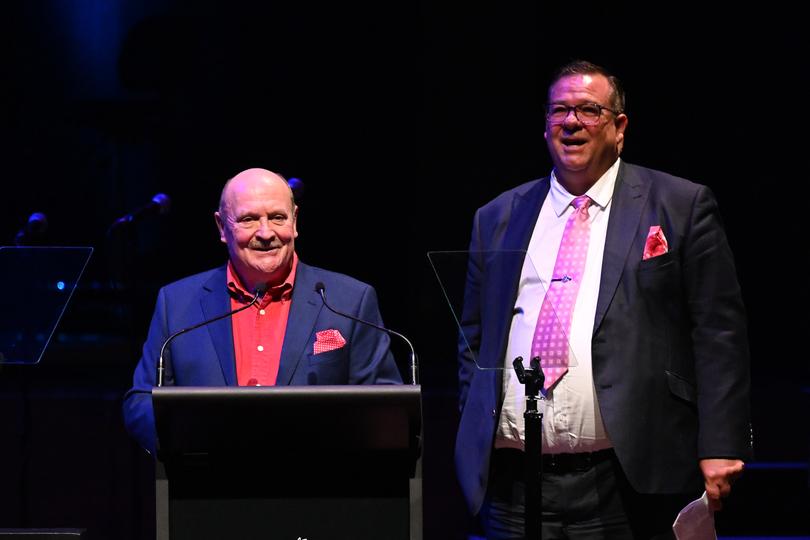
(600, 193)
(239, 292)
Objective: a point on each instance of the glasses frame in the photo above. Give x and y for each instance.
(576, 109)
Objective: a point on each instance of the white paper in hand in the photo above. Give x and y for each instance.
(695, 521)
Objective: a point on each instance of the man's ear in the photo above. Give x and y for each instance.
(295, 221)
(221, 227)
(621, 127)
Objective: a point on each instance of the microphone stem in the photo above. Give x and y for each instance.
(414, 370)
(414, 374)
(161, 366)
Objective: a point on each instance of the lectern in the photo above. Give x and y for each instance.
(306, 462)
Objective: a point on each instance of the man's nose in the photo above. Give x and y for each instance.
(571, 119)
(265, 229)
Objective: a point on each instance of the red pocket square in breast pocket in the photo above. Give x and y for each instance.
(656, 243)
(328, 340)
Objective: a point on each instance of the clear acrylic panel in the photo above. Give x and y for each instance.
(470, 285)
(38, 283)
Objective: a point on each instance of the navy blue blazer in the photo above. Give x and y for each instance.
(205, 356)
(670, 348)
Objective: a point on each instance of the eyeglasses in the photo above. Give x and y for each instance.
(587, 113)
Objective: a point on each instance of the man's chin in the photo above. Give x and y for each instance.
(266, 271)
(571, 165)
(273, 271)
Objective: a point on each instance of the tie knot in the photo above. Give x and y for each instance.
(583, 201)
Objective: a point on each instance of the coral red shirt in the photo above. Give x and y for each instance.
(258, 332)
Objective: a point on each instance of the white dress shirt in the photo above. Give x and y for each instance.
(571, 418)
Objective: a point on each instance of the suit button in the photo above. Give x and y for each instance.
(493, 412)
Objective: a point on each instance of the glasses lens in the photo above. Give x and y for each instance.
(556, 113)
(588, 113)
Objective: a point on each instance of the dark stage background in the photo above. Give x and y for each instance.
(401, 119)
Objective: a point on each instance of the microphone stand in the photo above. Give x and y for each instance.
(532, 379)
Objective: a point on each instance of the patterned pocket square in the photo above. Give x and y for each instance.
(328, 340)
(656, 243)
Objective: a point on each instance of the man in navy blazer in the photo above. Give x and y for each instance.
(655, 402)
(257, 221)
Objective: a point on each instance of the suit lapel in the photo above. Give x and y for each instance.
(524, 212)
(215, 301)
(521, 221)
(629, 197)
(509, 264)
(304, 310)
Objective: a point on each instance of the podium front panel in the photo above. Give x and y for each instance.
(320, 463)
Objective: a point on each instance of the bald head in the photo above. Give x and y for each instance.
(248, 179)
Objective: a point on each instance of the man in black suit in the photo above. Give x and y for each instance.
(653, 398)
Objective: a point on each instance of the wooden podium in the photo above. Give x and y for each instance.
(295, 462)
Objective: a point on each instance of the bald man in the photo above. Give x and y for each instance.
(287, 338)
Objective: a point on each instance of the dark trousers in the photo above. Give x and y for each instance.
(582, 499)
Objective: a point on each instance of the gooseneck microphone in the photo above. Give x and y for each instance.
(320, 288)
(260, 289)
(160, 205)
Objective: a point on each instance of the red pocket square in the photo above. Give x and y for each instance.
(328, 340)
(656, 243)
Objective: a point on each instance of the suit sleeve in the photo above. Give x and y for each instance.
(371, 361)
(138, 415)
(469, 338)
(719, 335)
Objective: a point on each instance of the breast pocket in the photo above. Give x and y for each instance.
(327, 357)
(330, 367)
(660, 274)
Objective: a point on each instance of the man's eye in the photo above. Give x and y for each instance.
(246, 221)
(589, 110)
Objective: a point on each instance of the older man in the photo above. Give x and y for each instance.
(287, 338)
(653, 402)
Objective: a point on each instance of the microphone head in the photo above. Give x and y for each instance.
(163, 203)
(33, 231)
(320, 287)
(37, 222)
(297, 187)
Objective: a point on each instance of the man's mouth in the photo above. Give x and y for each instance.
(573, 142)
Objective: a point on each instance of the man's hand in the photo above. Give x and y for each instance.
(719, 475)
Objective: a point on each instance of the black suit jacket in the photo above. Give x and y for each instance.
(669, 345)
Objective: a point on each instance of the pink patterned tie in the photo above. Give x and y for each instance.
(550, 340)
